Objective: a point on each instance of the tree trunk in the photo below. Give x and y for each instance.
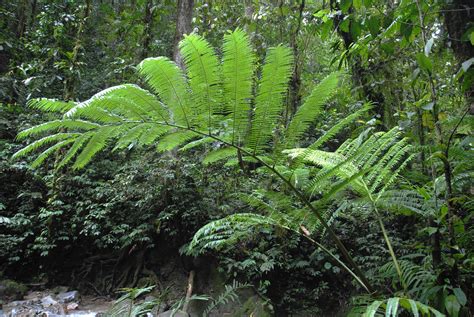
(295, 83)
(22, 18)
(147, 34)
(183, 26)
(70, 82)
(359, 73)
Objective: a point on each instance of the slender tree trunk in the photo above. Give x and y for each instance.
(147, 34)
(360, 74)
(22, 18)
(183, 26)
(295, 83)
(34, 5)
(70, 82)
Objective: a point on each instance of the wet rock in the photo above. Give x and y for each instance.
(67, 297)
(48, 301)
(22, 308)
(60, 289)
(72, 306)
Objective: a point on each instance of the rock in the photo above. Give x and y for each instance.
(173, 313)
(60, 289)
(48, 301)
(22, 308)
(67, 297)
(72, 306)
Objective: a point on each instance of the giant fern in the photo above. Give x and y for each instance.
(212, 101)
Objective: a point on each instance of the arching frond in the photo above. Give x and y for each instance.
(167, 81)
(56, 125)
(418, 279)
(237, 72)
(49, 151)
(202, 68)
(51, 105)
(311, 108)
(269, 101)
(219, 155)
(43, 142)
(341, 124)
(391, 307)
(174, 140)
(74, 149)
(227, 231)
(96, 143)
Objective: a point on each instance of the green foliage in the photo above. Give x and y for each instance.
(127, 306)
(228, 295)
(395, 305)
(231, 110)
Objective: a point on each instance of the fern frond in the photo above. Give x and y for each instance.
(311, 108)
(132, 135)
(95, 144)
(116, 103)
(55, 125)
(391, 307)
(50, 105)
(391, 160)
(75, 148)
(226, 231)
(341, 124)
(153, 133)
(228, 295)
(418, 279)
(202, 69)
(42, 142)
(174, 140)
(49, 151)
(219, 155)
(193, 144)
(167, 80)
(237, 71)
(269, 101)
(406, 201)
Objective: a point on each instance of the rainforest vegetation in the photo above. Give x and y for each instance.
(269, 157)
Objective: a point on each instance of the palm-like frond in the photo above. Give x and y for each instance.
(269, 100)
(167, 81)
(376, 161)
(418, 279)
(51, 105)
(311, 108)
(237, 72)
(203, 73)
(227, 231)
